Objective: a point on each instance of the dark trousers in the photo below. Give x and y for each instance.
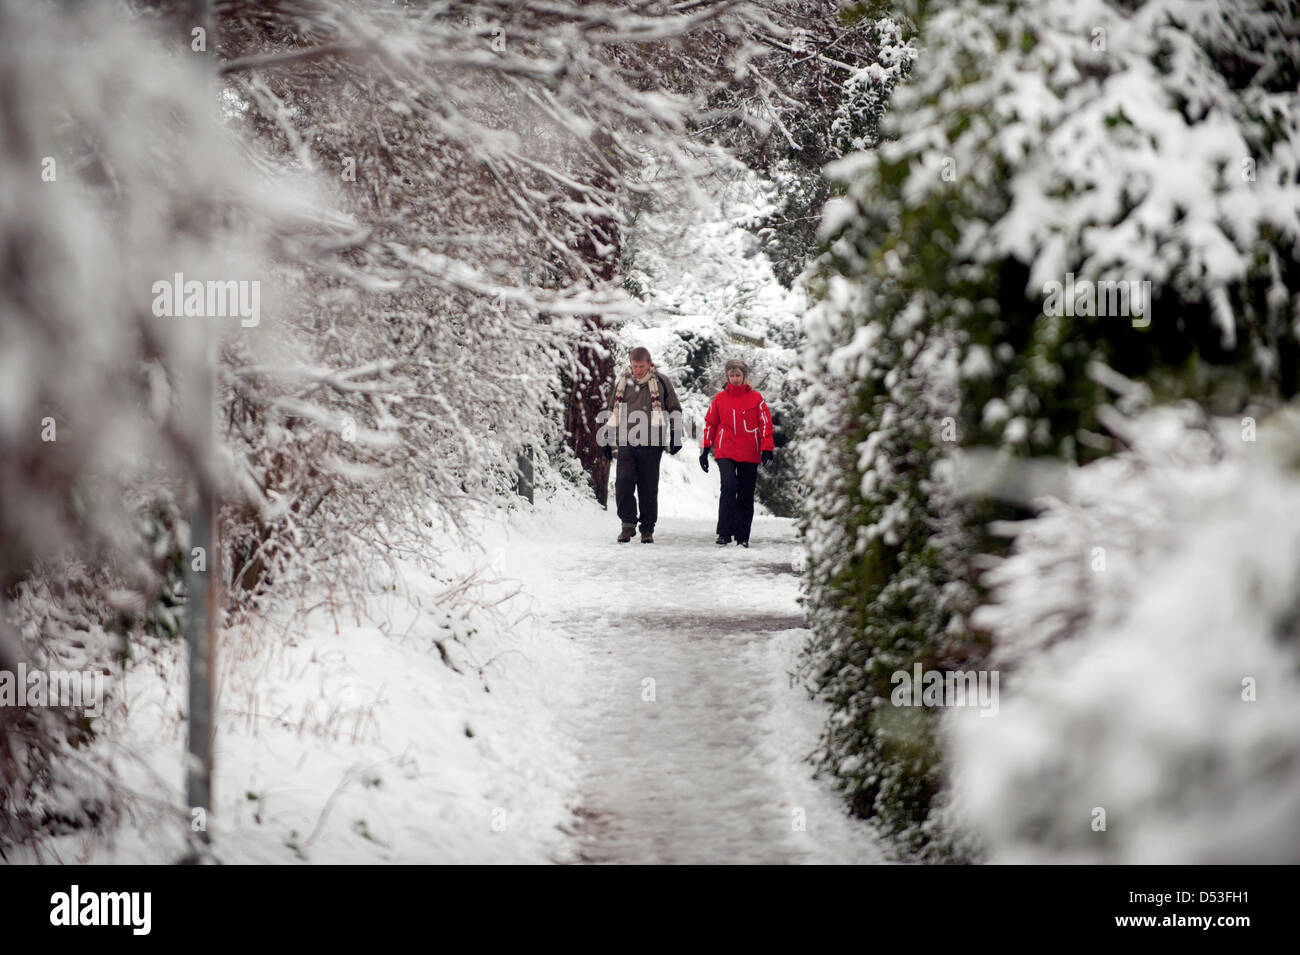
(637, 478)
(736, 505)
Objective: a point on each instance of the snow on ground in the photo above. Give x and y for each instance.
(345, 738)
(691, 738)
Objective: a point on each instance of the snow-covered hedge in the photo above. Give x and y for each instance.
(1146, 630)
(1034, 143)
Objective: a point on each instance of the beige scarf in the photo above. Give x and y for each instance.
(656, 400)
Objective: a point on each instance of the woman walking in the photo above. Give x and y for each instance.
(738, 427)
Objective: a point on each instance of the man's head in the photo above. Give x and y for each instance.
(640, 361)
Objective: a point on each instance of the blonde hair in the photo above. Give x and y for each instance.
(737, 364)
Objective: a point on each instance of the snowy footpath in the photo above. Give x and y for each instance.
(590, 702)
(689, 734)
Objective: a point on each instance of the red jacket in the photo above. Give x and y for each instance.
(738, 425)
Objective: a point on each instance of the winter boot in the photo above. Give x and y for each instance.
(647, 537)
(743, 543)
(626, 533)
(722, 541)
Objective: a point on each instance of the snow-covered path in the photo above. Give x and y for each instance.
(690, 737)
(628, 703)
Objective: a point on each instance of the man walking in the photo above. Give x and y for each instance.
(644, 417)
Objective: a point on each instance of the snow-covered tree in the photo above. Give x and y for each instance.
(115, 174)
(484, 151)
(784, 89)
(797, 84)
(431, 198)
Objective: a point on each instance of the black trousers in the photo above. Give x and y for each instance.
(736, 505)
(637, 478)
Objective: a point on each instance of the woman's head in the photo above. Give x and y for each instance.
(737, 372)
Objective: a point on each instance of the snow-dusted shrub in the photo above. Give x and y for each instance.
(811, 80)
(1051, 145)
(1034, 143)
(885, 540)
(1146, 631)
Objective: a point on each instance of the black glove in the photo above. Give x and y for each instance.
(608, 452)
(704, 460)
(674, 447)
(769, 460)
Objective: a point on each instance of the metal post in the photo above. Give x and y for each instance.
(204, 556)
(201, 606)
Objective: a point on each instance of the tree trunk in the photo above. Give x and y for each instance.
(586, 399)
(600, 247)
